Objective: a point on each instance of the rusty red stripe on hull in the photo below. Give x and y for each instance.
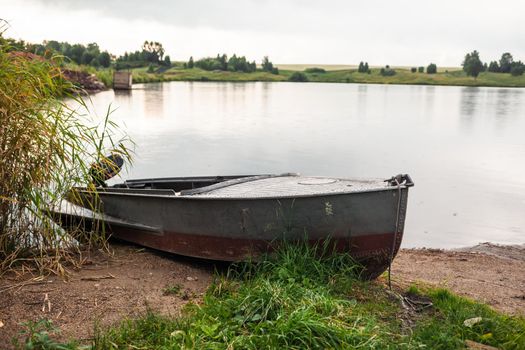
(373, 251)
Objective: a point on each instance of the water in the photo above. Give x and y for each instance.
(464, 147)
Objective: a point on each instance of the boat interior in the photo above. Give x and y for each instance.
(177, 183)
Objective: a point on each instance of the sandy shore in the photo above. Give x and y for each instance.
(489, 273)
(134, 279)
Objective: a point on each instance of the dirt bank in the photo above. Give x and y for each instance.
(489, 273)
(104, 290)
(87, 83)
(134, 279)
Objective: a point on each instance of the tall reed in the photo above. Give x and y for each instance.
(46, 147)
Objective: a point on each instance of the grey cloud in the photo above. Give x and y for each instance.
(395, 28)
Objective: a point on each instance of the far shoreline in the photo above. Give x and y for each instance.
(402, 76)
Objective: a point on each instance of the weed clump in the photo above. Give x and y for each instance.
(304, 298)
(298, 298)
(46, 147)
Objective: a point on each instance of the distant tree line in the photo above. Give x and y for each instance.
(507, 64)
(431, 69)
(233, 64)
(473, 66)
(388, 71)
(89, 54)
(221, 62)
(152, 53)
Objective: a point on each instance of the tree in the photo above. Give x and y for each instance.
(421, 69)
(167, 61)
(387, 71)
(413, 69)
(363, 67)
(223, 61)
(298, 77)
(493, 67)
(87, 57)
(232, 63)
(517, 68)
(53, 45)
(190, 62)
(153, 51)
(432, 69)
(267, 66)
(95, 62)
(37, 49)
(505, 62)
(253, 67)
(77, 50)
(104, 59)
(93, 49)
(472, 65)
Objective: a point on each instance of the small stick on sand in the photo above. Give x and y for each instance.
(46, 299)
(97, 278)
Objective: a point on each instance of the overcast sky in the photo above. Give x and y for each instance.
(402, 32)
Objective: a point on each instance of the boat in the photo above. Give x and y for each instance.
(234, 218)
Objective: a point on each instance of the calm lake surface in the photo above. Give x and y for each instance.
(464, 147)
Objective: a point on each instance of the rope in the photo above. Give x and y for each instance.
(395, 233)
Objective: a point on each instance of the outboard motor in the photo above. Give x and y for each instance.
(104, 170)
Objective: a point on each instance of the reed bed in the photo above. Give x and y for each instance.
(46, 147)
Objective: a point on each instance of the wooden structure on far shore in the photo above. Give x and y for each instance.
(122, 80)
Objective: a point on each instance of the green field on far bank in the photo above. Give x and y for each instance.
(334, 67)
(402, 76)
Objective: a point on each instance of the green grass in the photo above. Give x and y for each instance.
(446, 330)
(402, 76)
(174, 289)
(338, 67)
(303, 299)
(327, 67)
(140, 75)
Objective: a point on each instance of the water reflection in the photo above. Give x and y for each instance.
(503, 102)
(469, 101)
(121, 95)
(466, 155)
(430, 95)
(361, 99)
(153, 100)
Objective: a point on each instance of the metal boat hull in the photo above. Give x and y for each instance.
(369, 225)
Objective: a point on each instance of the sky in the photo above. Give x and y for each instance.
(399, 33)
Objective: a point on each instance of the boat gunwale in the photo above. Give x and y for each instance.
(207, 197)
